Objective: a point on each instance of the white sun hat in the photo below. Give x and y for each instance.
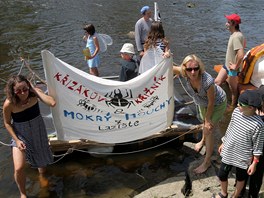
(128, 48)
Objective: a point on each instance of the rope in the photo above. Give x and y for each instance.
(4, 144)
(184, 87)
(70, 150)
(29, 68)
(20, 70)
(196, 106)
(138, 151)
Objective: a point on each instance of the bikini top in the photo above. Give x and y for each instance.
(26, 115)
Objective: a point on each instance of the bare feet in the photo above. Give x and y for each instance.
(43, 181)
(198, 146)
(202, 168)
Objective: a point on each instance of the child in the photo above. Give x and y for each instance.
(156, 38)
(243, 142)
(93, 45)
(129, 67)
(255, 180)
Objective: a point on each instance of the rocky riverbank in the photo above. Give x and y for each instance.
(189, 184)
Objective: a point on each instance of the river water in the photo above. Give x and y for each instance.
(27, 27)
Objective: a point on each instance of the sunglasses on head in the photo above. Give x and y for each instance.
(20, 91)
(242, 105)
(192, 69)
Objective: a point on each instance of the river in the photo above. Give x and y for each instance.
(27, 27)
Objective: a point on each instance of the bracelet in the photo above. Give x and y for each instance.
(255, 160)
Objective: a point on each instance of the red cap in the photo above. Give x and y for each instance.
(234, 17)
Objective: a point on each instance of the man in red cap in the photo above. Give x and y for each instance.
(234, 57)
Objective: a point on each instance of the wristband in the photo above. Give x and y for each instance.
(255, 160)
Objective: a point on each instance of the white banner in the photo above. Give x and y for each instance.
(107, 111)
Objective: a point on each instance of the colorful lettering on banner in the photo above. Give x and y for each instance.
(90, 107)
(77, 87)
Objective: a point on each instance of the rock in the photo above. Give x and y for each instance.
(190, 184)
(168, 188)
(131, 34)
(190, 5)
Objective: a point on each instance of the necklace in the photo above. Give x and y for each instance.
(25, 103)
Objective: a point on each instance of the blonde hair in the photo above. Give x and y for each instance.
(189, 58)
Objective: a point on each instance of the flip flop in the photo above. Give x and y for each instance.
(220, 195)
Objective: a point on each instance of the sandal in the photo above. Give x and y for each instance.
(220, 195)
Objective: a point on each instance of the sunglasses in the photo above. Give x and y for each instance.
(192, 69)
(20, 91)
(242, 105)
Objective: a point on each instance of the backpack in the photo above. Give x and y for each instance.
(249, 62)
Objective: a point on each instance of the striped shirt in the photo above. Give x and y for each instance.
(243, 139)
(200, 96)
(160, 44)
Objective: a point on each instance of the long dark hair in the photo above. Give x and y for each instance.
(9, 89)
(156, 32)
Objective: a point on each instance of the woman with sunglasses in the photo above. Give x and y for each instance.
(210, 98)
(24, 123)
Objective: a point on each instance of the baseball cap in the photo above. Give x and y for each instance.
(144, 9)
(251, 98)
(234, 17)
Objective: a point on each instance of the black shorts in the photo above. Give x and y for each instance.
(241, 174)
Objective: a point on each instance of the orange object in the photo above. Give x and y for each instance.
(217, 68)
(249, 62)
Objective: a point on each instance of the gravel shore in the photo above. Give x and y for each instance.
(192, 185)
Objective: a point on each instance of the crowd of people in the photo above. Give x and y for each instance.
(242, 144)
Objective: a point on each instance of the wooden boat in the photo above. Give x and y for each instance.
(185, 127)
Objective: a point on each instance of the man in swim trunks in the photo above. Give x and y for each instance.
(234, 57)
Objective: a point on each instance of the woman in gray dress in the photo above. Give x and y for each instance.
(24, 123)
